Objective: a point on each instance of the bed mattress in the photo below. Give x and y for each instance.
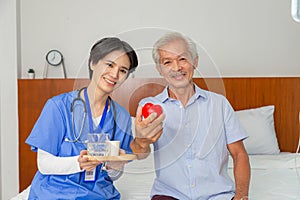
(273, 177)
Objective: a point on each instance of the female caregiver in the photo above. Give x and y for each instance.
(62, 127)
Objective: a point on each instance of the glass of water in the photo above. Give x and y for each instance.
(97, 144)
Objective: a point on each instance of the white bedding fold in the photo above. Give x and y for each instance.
(278, 161)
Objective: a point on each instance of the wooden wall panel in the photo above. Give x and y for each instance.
(284, 93)
(242, 93)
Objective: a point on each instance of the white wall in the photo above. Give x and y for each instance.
(244, 38)
(9, 170)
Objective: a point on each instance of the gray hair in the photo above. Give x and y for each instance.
(170, 37)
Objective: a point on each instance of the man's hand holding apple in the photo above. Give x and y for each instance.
(148, 128)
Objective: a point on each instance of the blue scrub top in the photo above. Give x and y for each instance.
(51, 132)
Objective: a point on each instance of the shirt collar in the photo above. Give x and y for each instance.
(164, 96)
(200, 92)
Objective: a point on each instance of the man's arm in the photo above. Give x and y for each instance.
(139, 148)
(241, 169)
(147, 131)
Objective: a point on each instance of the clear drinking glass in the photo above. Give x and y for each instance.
(97, 144)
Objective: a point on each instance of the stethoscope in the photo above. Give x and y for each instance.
(78, 99)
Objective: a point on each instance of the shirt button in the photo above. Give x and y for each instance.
(192, 185)
(189, 166)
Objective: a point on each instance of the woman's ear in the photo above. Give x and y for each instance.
(92, 67)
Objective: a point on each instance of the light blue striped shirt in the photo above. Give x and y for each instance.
(191, 156)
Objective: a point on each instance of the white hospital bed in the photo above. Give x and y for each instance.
(273, 177)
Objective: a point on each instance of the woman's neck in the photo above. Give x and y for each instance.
(97, 100)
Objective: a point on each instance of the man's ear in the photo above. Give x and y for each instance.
(158, 68)
(195, 64)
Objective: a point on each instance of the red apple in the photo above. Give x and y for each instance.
(145, 110)
(149, 108)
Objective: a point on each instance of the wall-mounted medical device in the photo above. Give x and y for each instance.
(295, 10)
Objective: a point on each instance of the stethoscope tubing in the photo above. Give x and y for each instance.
(77, 137)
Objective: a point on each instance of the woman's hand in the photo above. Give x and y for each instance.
(85, 163)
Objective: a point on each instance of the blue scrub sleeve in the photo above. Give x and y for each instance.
(128, 137)
(48, 131)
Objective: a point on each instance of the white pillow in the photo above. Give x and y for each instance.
(259, 124)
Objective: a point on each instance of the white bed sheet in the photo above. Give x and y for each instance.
(273, 177)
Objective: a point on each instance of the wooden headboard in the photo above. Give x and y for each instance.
(242, 93)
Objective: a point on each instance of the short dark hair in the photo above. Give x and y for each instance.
(107, 45)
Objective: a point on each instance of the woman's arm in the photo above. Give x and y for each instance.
(50, 164)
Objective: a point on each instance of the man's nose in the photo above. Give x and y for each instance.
(176, 66)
